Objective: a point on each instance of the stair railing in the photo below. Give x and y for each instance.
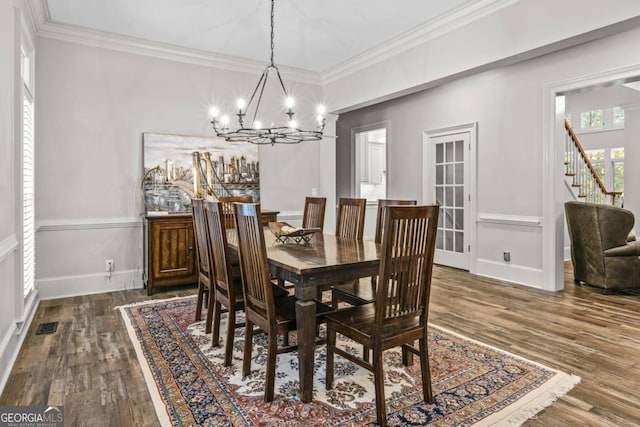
(584, 176)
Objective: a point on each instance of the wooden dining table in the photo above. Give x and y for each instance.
(324, 260)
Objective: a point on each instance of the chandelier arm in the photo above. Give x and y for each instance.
(284, 89)
(263, 80)
(255, 112)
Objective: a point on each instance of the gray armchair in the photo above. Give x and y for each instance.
(602, 251)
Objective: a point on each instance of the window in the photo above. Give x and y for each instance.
(371, 159)
(618, 116)
(27, 139)
(597, 158)
(591, 119)
(617, 167)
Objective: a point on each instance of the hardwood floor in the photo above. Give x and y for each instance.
(90, 367)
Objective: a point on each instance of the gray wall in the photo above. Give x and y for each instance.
(93, 106)
(507, 105)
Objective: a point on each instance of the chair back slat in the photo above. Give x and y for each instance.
(406, 262)
(200, 232)
(383, 203)
(350, 220)
(227, 208)
(219, 250)
(313, 216)
(253, 260)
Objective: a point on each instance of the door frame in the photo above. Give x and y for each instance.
(553, 168)
(355, 178)
(471, 212)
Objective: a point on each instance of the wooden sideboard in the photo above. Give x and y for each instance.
(170, 252)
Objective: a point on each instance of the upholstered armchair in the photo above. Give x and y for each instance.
(603, 252)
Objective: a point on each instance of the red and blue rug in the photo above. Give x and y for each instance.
(473, 384)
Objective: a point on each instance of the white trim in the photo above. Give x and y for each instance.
(8, 246)
(88, 224)
(528, 221)
(463, 15)
(116, 42)
(86, 284)
(504, 271)
(12, 341)
(290, 216)
(552, 153)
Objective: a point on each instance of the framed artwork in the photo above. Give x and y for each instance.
(179, 167)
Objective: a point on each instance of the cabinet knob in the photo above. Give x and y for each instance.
(190, 248)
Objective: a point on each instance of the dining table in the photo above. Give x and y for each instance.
(324, 260)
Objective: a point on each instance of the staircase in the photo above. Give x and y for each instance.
(583, 177)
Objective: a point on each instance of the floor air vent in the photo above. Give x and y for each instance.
(47, 328)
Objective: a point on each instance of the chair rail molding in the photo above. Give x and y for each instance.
(88, 224)
(8, 246)
(520, 220)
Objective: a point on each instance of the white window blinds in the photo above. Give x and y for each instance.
(28, 211)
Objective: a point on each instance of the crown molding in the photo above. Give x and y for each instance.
(463, 15)
(49, 29)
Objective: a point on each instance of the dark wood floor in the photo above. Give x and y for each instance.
(90, 367)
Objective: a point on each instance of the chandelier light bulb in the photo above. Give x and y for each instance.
(321, 110)
(240, 104)
(289, 102)
(293, 124)
(213, 112)
(224, 120)
(257, 124)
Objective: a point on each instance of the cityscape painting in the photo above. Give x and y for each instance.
(179, 167)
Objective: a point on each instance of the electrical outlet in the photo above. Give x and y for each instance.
(108, 265)
(506, 256)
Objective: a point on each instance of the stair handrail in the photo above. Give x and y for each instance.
(586, 160)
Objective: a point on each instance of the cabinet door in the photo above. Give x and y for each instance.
(172, 250)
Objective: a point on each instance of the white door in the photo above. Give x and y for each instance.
(447, 180)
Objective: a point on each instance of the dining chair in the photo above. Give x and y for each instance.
(203, 263)
(227, 280)
(227, 283)
(364, 291)
(227, 208)
(273, 315)
(313, 215)
(349, 225)
(350, 219)
(399, 314)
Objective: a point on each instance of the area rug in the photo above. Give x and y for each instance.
(473, 384)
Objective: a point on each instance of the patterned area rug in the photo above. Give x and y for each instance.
(473, 384)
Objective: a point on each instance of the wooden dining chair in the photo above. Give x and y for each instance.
(227, 208)
(364, 291)
(349, 225)
(203, 263)
(313, 215)
(399, 315)
(227, 283)
(350, 219)
(273, 315)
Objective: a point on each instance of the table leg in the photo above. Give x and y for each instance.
(306, 324)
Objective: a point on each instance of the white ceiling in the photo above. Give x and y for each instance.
(313, 35)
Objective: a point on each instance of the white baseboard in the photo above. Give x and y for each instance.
(12, 341)
(85, 284)
(519, 274)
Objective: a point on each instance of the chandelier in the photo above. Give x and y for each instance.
(254, 132)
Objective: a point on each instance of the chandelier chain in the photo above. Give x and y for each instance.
(272, 32)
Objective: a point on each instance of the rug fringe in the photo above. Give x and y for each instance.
(152, 301)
